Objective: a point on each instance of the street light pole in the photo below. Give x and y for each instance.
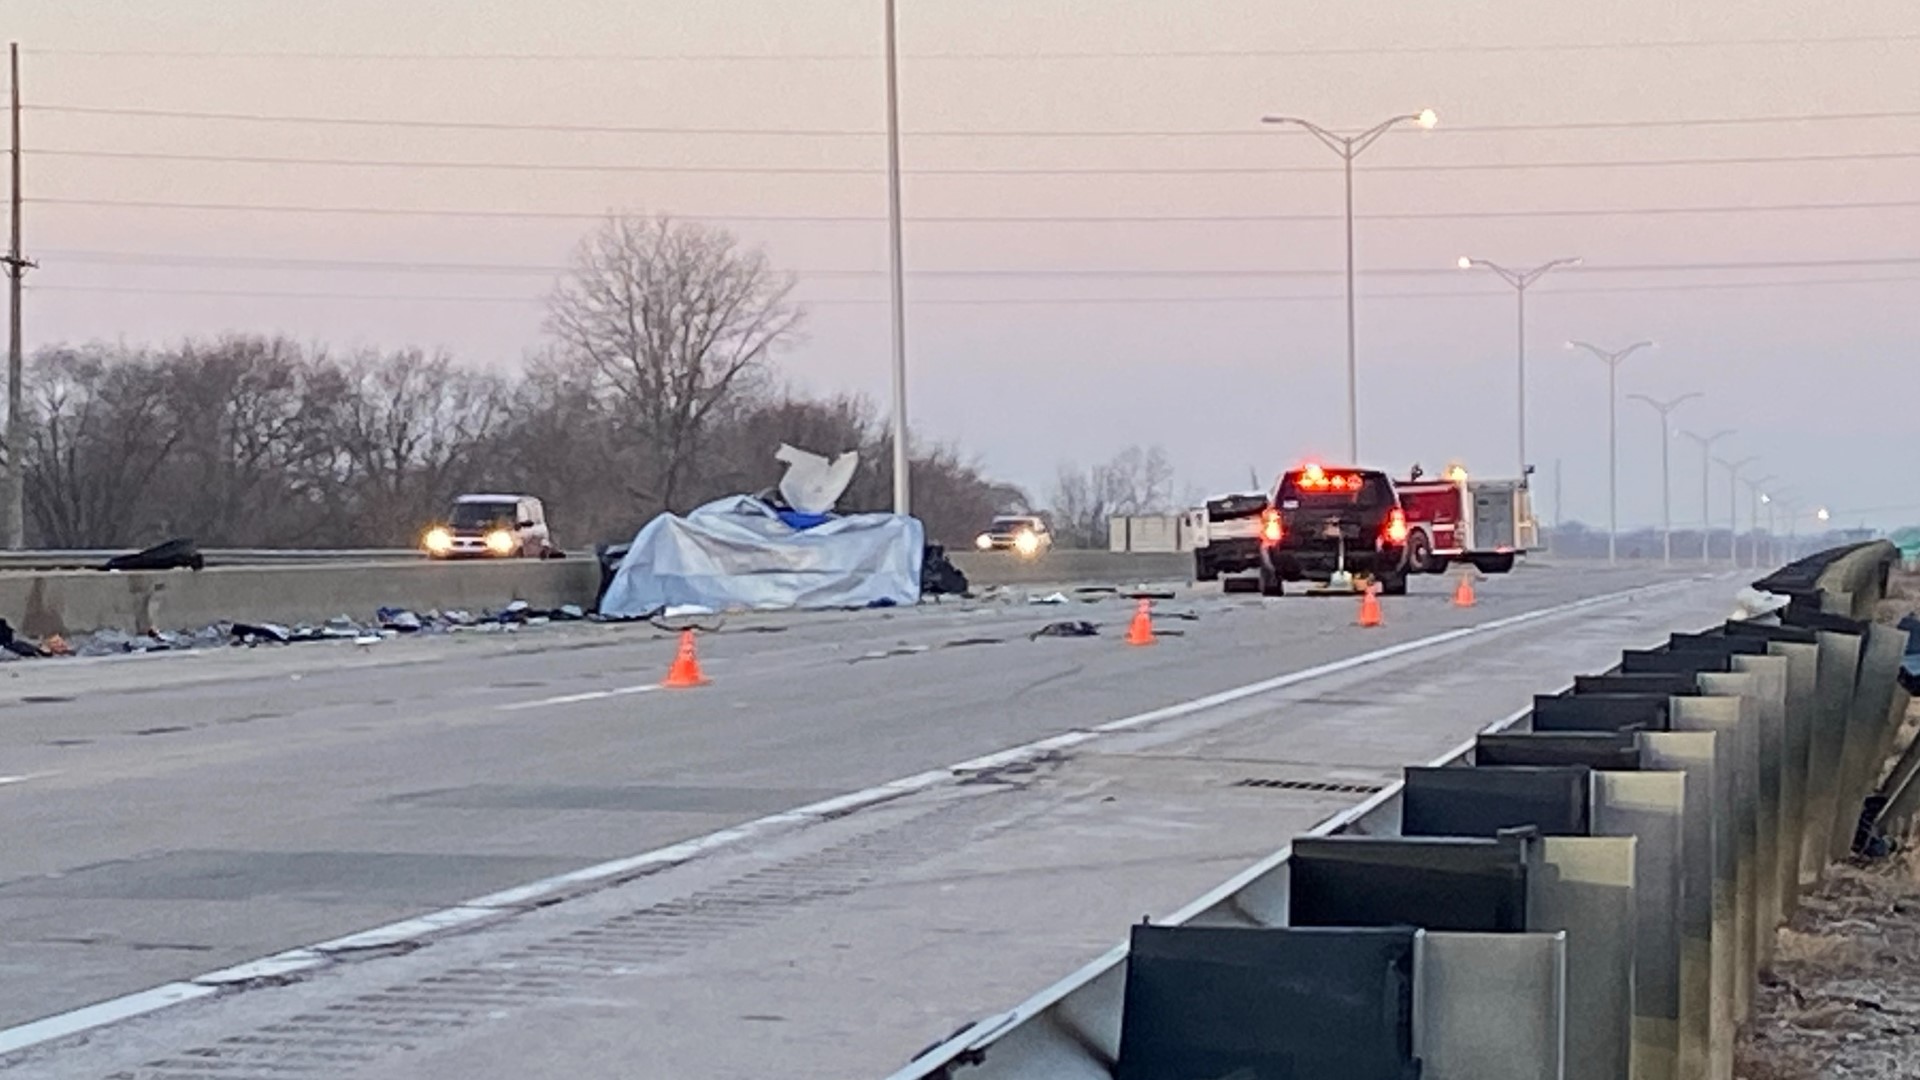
(1350, 147)
(1665, 409)
(902, 479)
(1520, 280)
(1733, 505)
(1754, 497)
(1706, 511)
(1613, 360)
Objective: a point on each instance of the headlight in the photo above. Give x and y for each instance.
(438, 541)
(1026, 543)
(500, 542)
(983, 541)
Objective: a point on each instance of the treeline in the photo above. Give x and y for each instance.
(654, 390)
(259, 442)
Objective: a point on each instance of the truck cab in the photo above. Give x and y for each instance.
(491, 527)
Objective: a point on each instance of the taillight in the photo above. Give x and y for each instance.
(1270, 528)
(1397, 526)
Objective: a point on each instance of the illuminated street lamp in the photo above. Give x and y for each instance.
(1613, 360)
(1665, 409)
(1350, 147)
(1520, 280)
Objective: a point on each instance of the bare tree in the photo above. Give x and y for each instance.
(676, 319)
(412, 431)
(252, 466)
(98, 435)
(1135, 481)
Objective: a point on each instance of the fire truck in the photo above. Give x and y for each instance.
(1452, 518)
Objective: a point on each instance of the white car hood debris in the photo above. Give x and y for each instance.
(737, 554)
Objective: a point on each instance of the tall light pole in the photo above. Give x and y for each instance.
(1665, 409)
(1706, 510)
(1613, 360)
(1350, 147)
(1754, 498)
(1520, 280)
(902, 481)
(1733, 505)
(1773, 537)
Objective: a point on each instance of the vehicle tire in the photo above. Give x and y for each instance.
(1394, 585)
(1494, 564)
(1204, 570)
(1270, 583)
(1420, 553)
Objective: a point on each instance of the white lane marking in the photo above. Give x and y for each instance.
(548, 890)
(24, 777)
(585, 695)
(94, 1016)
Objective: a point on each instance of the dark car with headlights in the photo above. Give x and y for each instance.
(491, 527)
(1324, 523)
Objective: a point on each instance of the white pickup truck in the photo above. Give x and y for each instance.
(1226, 534)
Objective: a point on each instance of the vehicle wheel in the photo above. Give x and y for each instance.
(1270, 583)
(1394, 585)
(1420, 552)
(1204, 571)
(1494, 564)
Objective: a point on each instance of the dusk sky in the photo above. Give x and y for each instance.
(1208, 318)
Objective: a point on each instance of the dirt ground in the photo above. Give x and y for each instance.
(1843, 997)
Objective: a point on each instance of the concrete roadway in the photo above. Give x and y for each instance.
(171, 815)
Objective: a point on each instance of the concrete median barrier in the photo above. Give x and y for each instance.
(39, 603)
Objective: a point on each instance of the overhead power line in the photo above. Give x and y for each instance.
(1422, 48)
(988, 170)
(996, 301)
(307, 264)
(1000, 219)
(1250, 131)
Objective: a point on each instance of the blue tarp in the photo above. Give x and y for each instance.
(737, 554)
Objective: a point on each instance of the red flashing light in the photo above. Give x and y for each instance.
(1397, 526)
(1271, 530)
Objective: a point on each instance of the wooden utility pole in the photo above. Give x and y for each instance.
(17, 266)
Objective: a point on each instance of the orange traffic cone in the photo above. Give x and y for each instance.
(1369, 608)
(1140, 631)
(685, 671)
(1463, 596)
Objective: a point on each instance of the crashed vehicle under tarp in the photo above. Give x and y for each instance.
(738, 554)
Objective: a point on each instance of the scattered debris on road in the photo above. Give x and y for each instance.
(1068, 628)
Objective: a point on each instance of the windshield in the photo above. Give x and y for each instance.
(1014, 524)
(1334, 488)
(481, 515)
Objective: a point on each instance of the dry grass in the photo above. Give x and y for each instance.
(1902, 599)
(1843, 996)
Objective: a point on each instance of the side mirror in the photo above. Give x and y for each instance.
(1529, 471)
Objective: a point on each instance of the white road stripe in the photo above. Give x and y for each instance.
(500, 904)
(586, 695)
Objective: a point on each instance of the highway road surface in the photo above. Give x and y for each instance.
(171, 816)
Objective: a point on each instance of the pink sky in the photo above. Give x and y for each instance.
(1089, 359)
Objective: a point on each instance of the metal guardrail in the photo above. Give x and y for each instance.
(1730, 810)
(90, 558)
